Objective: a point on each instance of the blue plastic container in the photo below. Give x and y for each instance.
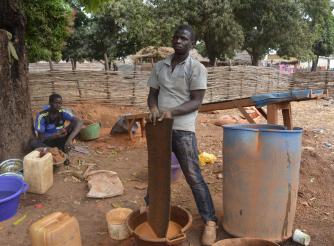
(260, 183)
(11, 187)
(175, 168)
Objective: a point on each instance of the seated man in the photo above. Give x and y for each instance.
(50, 126)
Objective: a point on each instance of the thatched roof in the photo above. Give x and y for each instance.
(153, 52)
(159, 53)
(278, 59)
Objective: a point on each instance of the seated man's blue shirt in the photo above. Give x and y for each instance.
(43, 125)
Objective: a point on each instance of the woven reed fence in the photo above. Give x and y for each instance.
(130, 88)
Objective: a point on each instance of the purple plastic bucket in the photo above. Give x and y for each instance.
(11, 187)
(175, 168)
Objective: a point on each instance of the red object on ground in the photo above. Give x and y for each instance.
(39, 205)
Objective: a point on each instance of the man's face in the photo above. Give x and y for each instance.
(182, 42)
(56, 104)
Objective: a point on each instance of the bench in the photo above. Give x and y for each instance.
(271, 115)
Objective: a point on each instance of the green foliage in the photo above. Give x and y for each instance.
(90, 5)
(324, 46)
(117, 28)
(200, 47)
(120, 28)
(48, 25)
(220, 31)
(318, 36)
(273, 24)
(76, 47)
(213, 22)
(322, 22)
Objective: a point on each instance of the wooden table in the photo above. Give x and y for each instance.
(271, 115)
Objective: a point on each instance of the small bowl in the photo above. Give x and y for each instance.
(55, 163)
(11, 165)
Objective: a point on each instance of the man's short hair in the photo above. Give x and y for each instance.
(187, 28)
(53, 97)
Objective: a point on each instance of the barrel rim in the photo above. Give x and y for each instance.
(248, 239)
(266, 128)
(17, 193)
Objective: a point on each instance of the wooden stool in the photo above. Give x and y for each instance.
(132, 119)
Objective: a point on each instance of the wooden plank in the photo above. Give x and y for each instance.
(142, 127)
(137, 116)
(247, 102)
(244, 102)
(245, 114)
(262, 112)
(159, 148)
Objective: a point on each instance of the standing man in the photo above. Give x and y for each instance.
(50, 126)
(177, 87)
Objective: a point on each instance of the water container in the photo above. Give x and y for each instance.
(116, 219)
(11, 188)
(56, 229)
(261, 177)
(38, 172)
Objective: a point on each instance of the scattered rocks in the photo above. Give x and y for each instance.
(318, 130)
(76, 202)
(327, 145)
(141, 186)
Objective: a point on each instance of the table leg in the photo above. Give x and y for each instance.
(272, 114)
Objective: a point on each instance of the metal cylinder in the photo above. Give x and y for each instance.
(260, 182)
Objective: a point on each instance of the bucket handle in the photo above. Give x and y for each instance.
(25, 187)
(176, 240)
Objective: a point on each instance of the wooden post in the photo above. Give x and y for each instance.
(108, 88)
(53, 87)
(142, 127)
(79, 89)
(133, 99)
(287, 115)
(272, 114)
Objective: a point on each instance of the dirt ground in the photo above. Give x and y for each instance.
(315, 208)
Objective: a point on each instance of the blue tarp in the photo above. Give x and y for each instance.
(264, 99)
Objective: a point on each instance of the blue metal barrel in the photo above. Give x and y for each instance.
(260, 180)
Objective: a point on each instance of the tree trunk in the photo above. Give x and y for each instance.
(212, 55)
(74, 64)
(315, 64)
(51, 65)
(255, 59)
(106, 62)
(15, 109)
(212, 60)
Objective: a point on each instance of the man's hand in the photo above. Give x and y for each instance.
(61, 133)
(68, 145)
(165, 115)
(154, 115)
